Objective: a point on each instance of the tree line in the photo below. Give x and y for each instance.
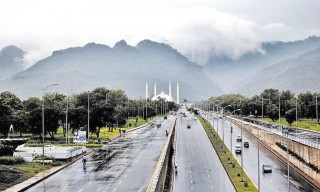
(106, 108)
(302, 105)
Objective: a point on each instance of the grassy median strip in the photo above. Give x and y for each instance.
(17, 172)
(229, 162)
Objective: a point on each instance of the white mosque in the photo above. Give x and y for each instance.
(162, 95)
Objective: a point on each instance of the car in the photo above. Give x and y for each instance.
(188, 126)
(267, 168)
(165, 117)
(238, 149)
(239, 139)
(246, 144)
(158, 125)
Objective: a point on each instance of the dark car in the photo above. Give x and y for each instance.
(238, 149)
(246, 144)
(267, 168)
(165, 117)
(188, 126)
(239, 138)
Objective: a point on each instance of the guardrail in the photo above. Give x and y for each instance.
(158, 179)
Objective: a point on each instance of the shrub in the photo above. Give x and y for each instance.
(10, 160)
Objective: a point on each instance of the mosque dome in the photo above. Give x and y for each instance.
(162, 95)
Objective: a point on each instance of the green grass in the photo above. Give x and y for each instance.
(303, 123)
(12, 175)
(226, 157)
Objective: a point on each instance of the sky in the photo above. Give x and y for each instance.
(198, 29)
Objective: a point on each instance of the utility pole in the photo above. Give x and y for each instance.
(88, 116)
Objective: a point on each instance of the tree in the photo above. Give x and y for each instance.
(273, 112)
(5, 118)
(290, 116)
(32, 107)
(14, 107)
(53, 112)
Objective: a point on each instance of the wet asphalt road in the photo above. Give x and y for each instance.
(275, 181)
(125, 164)
(199, 168)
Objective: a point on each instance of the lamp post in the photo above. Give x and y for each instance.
(223, 127)
(88, 128)
(67, 128)
(297, 112)
(44, 89)
(317, 117)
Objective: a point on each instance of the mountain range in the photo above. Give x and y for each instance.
(300, 74)
(232, 74)
(121, 67)
(283, 65)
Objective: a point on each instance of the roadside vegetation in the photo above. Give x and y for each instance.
(302, 123)
(107, 108)
(229, 162)
(301, 108)
(14, 170)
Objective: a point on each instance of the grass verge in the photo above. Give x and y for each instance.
(303, 123)
(14, 174)
(229, 162)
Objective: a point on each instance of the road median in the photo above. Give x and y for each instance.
(227, 159)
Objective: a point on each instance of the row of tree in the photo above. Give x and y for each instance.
(106, 108)
(303, 105)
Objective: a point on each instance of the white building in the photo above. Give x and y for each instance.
(162, 95)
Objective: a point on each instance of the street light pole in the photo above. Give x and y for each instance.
(317, 110)
(88, 116)
(67, 128)
(297, 112)
(288, 164)
(44, 89)
(279, 109)
(258, 159)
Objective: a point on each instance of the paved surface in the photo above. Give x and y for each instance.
(126, 164)
(199, 168)
(275, 181)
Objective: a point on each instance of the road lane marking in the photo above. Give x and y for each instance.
(114, 189)
(125, 175)
(120, 182)
(81, 190)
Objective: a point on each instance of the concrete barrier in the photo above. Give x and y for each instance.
(268, 140)
(160, 180)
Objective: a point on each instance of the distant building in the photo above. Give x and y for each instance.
(162, 95)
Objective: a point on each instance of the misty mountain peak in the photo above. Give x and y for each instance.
(120, 44)
(12, 52)
(96, 46)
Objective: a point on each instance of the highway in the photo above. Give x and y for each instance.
(125, 164)
(275, 181)
(199, 168)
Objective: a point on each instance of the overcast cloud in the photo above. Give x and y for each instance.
(198, 29)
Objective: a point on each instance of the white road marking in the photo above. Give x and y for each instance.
(125, 175)
(81, 190)
(114, 189)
